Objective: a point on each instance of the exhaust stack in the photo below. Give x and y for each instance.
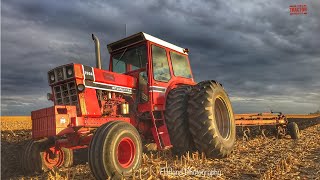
(97, 47)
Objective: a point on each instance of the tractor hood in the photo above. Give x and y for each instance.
(92, 78)
(107, 80)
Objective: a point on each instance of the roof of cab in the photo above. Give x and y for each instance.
(139, 37)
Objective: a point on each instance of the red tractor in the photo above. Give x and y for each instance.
(148, 95)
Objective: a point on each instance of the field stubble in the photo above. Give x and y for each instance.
(257, 158)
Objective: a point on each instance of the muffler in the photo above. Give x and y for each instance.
(97, 47)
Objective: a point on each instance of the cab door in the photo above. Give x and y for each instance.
(160, 75)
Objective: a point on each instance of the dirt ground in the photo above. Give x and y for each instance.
(257, 158)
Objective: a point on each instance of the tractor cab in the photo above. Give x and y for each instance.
(157, 65)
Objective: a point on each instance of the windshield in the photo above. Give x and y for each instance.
(135, 57)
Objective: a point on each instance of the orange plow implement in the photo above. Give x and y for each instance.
(276, 122)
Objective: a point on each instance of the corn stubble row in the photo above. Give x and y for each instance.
(258, 158)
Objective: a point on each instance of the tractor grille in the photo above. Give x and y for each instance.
(66, 94)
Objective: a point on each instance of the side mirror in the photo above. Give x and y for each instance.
(49, 97)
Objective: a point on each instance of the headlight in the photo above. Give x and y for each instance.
(69, 71)
(52, 77)
(80, 87)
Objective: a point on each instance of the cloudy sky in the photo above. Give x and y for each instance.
(265, 57)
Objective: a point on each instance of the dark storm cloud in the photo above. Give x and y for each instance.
(264, 57)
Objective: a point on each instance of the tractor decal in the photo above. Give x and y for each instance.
(89, 79)
(109, 87)
(88, 73)
(157, 89)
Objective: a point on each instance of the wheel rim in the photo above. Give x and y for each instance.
(126, 152)
(53, 161)
(222, 118)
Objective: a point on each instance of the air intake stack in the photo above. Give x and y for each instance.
(97, 47)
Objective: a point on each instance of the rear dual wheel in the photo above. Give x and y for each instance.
(38, 158)
(211, 119)
(176, 117)
(115, 151)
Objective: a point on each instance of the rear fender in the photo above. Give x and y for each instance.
(174, 85)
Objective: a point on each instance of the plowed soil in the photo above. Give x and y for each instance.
(257, 158)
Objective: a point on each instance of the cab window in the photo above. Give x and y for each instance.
(135, 57)
(161, 70)
(118, 66)
(180, 65)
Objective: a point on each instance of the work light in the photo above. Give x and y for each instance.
(80, 87)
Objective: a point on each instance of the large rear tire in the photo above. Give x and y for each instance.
(115, 151)
(177, 120)
(211, 119)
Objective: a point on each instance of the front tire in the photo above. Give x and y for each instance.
(62, 158)
(115, 150)
(37, 157)
(211, 119)
(176, 117)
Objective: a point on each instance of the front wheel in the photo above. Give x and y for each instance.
(211, 119)
(115, 150)
(52, 157)
(37, 157)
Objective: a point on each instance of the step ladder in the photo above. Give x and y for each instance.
(160, 131)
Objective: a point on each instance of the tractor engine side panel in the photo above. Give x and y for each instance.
(104, 92)
(89, 103)
(100, 78)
